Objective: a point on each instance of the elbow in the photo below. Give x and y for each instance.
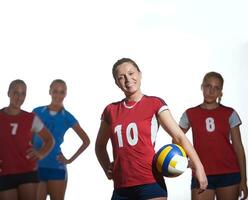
(87, 142)
(99, 149)
(51, 142)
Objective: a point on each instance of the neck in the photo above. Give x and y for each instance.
(210, 106)
(12, 111)
(135, 97)
(54, 107)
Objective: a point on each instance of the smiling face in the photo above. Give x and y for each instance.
(128, 78)
(58, 92)
(17, 94)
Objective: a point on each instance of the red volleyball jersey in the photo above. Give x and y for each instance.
(133, 131)
(15, 140)
(211, 138)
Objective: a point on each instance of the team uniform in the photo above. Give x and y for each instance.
(211, 139)
(134, 127)
(57, 123)
(16, 132)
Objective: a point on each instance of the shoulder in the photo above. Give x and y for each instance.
(40, 109)
(67, 115)
(193, 109)
(114, 104)
(2, 112)
(66, 112)
(223, 107)
(154, 99)
(26, 114)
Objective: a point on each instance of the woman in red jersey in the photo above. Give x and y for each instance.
(217, 140)
(18, 174)
(132, 125)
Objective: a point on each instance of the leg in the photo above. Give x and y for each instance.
(42, 191)
(27, 191)
(228, 192)
(9, 194)
(159, 198)
(206, 195)
(56, 189)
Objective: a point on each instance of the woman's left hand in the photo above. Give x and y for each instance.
(202, 179)
(61, 158)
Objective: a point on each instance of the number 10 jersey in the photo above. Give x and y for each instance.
(134, 127)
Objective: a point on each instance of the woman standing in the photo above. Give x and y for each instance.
(52, 169)
(217, 140)
(18, 159)
(132, 124)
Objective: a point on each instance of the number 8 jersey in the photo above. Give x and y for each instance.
(134, 127)
(211, 137)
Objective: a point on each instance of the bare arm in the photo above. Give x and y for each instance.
(184, 130)
(86, 141)
(240, 153)
(48, 143)
(101, 148)
(168, 123)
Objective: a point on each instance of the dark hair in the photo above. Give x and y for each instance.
(16, 82)
(58, 81)
(121, 61)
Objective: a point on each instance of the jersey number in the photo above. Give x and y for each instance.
(210, 125)
(14, 127)
(131, 134)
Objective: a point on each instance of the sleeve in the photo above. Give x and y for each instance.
(71, 120)
(234, 119)
(161, 105)
(37, 125)
(184, 121)
(105, 115)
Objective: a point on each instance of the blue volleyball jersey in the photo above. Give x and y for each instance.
(57, 123)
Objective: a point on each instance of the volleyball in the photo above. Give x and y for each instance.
(171, 160)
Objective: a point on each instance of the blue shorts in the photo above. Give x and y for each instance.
(140, 192)
(48, 174)
(218, 181)
(13, 181)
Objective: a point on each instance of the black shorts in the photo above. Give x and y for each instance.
(140, 192)
(218, 181)
(12, 181)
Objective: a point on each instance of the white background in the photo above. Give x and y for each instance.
(174, 42)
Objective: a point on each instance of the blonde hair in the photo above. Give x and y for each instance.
(60, 81)
(215, 75)
(14, 83)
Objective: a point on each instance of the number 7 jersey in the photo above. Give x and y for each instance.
(134, 127)
(15, 140)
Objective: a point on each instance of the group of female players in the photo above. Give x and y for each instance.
(32, 165)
